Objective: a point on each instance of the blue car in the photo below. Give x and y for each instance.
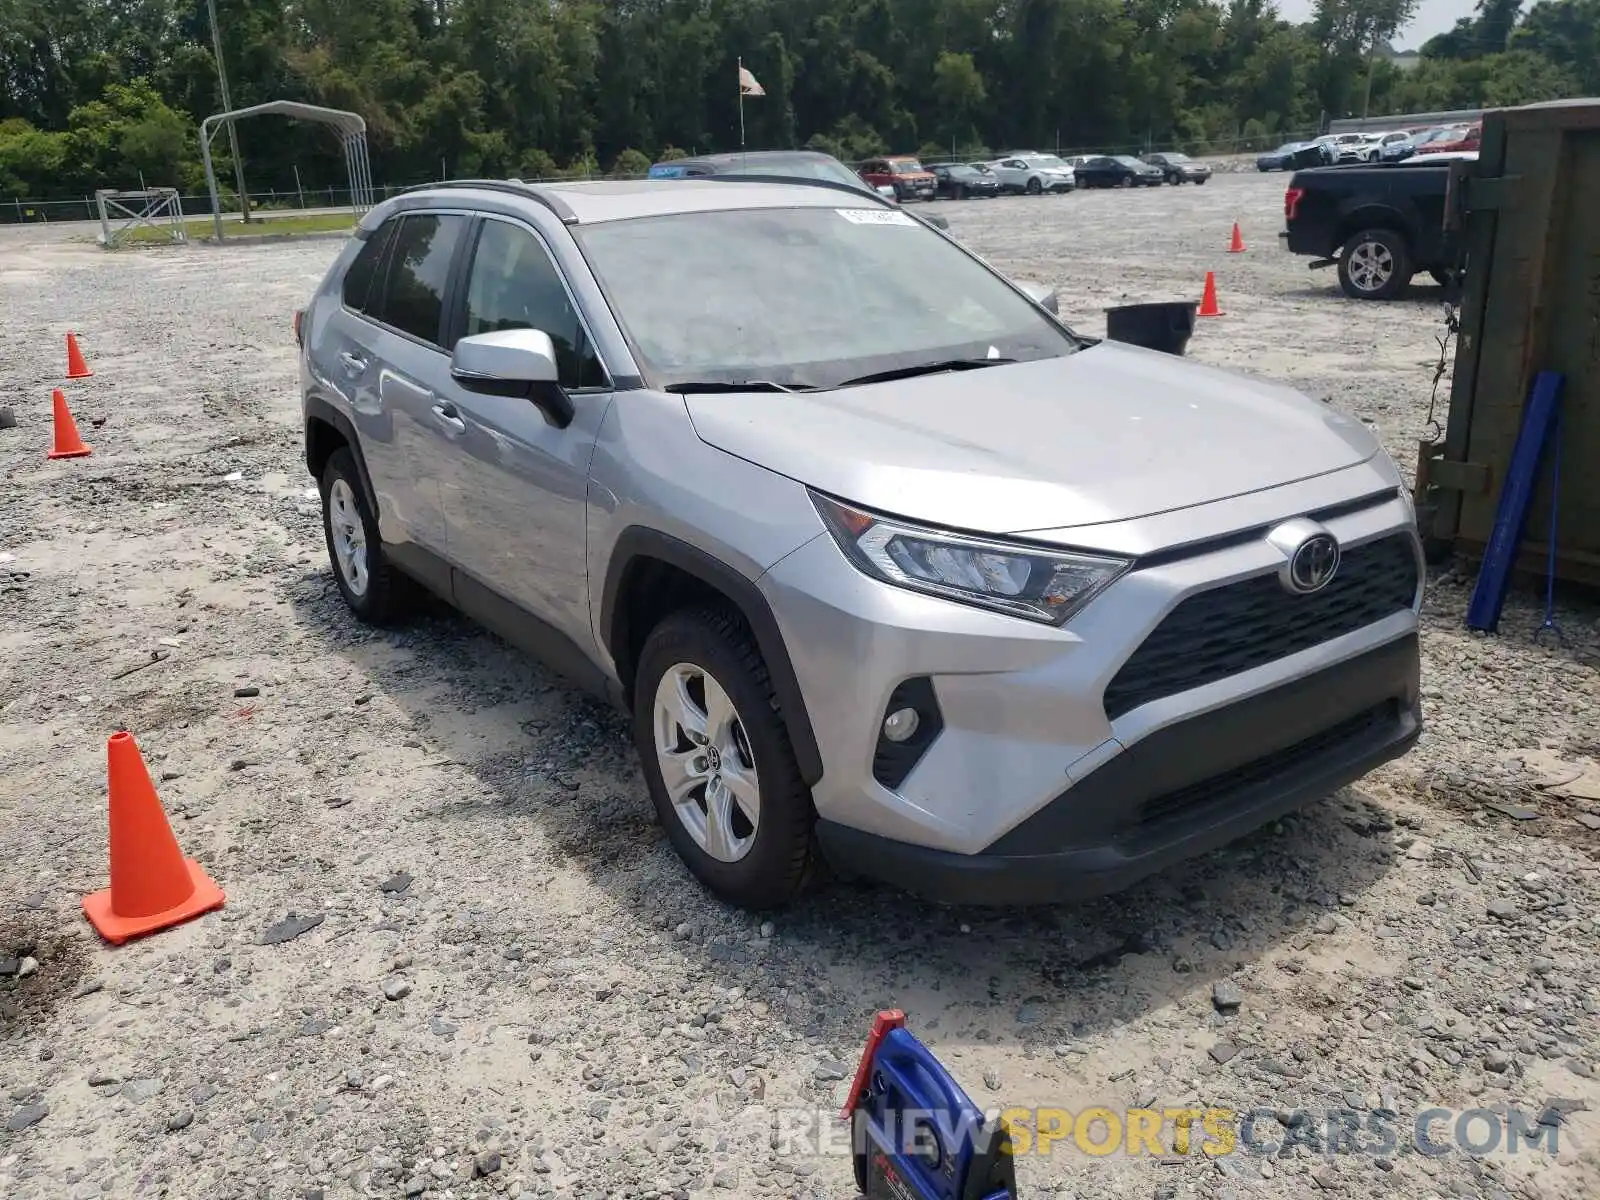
(1292, 156)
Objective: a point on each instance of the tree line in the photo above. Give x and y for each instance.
(110, 95)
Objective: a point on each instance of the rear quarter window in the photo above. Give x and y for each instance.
(356, 290)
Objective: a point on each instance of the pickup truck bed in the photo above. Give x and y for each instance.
(1379, 223)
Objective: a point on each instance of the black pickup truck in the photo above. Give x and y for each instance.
(1381, 224)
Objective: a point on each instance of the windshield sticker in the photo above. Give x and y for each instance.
(875, 216)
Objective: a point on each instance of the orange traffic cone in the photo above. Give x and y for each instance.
(153, 886)
(67, 442)
(1237, 245)
(76, 367)
(1208, 302)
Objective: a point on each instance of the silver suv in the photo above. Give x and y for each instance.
(890, 567)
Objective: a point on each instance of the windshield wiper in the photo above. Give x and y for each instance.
(933, 368)
(724, 385)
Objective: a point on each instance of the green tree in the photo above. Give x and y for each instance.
(961, 94)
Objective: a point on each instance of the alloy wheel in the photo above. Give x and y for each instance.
(1371, 266)
(706, 762)
(349, 536)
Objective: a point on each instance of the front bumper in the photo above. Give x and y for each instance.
(1025, 728)
(1190, 788)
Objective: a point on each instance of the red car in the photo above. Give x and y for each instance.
(1465, 138)
(909, 179)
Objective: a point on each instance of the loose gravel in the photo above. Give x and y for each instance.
(459, 960)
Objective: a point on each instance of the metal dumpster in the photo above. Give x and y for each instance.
(1525, 215)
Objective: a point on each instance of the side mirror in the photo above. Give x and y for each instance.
(1041, 294)
(519, 363)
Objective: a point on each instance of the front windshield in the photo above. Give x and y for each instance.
(1046, 160)
(1175, 158)
(1128, 161)
(908, 168)
(805, 296)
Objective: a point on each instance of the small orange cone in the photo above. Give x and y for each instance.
(1208, 302)
(76, 367)
(153, 886)
(1237, 245)
(67, 442)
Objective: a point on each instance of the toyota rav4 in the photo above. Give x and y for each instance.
(890, 567)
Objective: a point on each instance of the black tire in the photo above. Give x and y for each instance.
(388, 595)
(1390, 267)
(1035, 187)
(1127, 181)
(1174, 181)
(780, 861)
(961, 191)
(1201, 182)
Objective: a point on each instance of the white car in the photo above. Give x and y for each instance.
(1033, 173)
(1368, 147)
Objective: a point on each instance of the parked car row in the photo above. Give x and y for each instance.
(905, 178)
(1394, 145)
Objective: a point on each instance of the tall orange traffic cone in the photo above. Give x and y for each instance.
(1208, 302)
(153, 886)
(67, 443)
(76, 367)
(1237, 245)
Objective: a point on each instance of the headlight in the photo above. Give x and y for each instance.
(1042, 585)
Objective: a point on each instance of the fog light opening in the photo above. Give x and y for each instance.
(901, 725)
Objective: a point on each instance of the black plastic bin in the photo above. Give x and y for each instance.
(1166, 327)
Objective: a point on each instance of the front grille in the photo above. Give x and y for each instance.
(1194, 797)
(1221, 632)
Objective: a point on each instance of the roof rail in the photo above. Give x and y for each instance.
(514, 187)
(837, 185)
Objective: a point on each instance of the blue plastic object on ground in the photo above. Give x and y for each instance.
(915, 1133)
(1516, 495)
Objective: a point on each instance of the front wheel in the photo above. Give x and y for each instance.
(1034, 187)
(1374, 265)
(718, 761)
(1127, 181)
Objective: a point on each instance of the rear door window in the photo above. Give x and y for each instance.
(412, 298)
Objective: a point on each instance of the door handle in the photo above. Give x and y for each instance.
(352, 363)
(447, 415)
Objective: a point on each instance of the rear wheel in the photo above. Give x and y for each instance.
(1374, 265)
(372, 589)
(718, 761)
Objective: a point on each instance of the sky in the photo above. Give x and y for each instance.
(1433, 16)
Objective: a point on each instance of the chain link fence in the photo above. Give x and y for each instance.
(17, 209)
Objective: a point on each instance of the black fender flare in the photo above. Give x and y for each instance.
(640, 542)
(320, 410)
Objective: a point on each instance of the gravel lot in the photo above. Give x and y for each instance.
(500, 981)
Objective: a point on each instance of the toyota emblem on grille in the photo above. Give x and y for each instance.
(1311, 556)
(1314, 564)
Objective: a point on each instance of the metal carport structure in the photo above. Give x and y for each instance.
(351, 127)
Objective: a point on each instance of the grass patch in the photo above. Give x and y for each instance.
(201, 228)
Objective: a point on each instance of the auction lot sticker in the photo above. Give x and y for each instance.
(874, 216)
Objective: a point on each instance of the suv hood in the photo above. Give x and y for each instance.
(1110, 433)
